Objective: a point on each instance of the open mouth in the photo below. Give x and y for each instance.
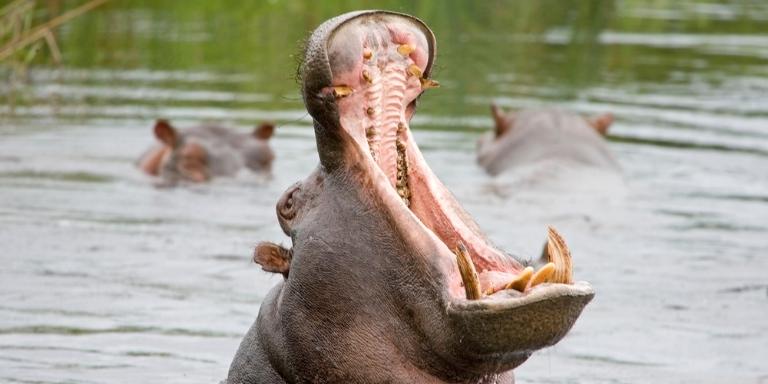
(379, 65)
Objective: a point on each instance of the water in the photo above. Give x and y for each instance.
(106, 278)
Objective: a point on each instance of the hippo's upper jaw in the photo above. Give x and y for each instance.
(390, 279)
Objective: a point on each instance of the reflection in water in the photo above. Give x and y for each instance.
(105, 276)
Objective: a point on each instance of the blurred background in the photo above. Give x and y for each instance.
(106, 278)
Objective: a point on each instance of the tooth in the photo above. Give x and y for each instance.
(558, 254)
(367, 76)
(405, 49)
(367, 53)
(521, 281)
(468, 273)
(429, 83)
(400, 146)
(414, 70)
(370, 134)
(340, 91)
(402, 173)
(544, 274)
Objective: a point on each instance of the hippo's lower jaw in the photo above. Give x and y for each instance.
(411, 280)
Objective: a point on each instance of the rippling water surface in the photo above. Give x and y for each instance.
(106, 278)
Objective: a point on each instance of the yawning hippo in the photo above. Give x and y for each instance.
(537, 136)
(200, 153)
(389, 280)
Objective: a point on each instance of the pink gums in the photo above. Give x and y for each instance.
(383, 85)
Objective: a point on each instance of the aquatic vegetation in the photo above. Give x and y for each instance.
(23, 36)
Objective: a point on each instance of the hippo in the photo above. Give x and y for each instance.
(388, 279)
(201, 153)
(537, 136)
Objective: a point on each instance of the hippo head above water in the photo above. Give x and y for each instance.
(528, 136)
(201, 153)
(389, 279)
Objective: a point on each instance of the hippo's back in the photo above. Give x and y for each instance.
(547, 136)
(216, 134)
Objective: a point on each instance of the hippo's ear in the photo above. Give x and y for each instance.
(166, 133)
(503, 121)
(601, 123)
(264, 131)
(273, 258)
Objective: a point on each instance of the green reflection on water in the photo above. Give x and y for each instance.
(548, 50)
(82, 177)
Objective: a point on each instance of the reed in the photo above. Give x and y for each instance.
(19, 14)
(21, 39)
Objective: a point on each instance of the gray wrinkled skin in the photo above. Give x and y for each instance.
(365, 300)
(555, 153)
(540, 136)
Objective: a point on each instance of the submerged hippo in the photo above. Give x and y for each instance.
(200, 153)
(389, 280)
(538, 136)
